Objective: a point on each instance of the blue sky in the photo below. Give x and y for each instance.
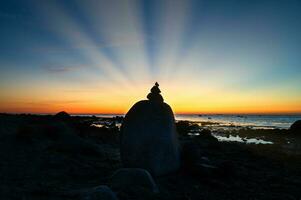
(237, 48)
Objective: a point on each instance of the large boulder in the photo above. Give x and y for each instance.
(296, 127)
(148, 136)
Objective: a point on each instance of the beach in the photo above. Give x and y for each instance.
(43, 157)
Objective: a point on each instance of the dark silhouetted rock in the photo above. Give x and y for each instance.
(296, 126)
(205, 134)
(102, 192)
(155, 95)
(206, 170)
(185, 127)
(190, 154)
(133, 177)
(59, 137)
(62, 115)
(148, 137)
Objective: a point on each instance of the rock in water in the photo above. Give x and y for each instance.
(62, 115)
(296, 127)
(148, 136)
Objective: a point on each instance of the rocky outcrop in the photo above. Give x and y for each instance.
(148, 136)
(296, 127)
(62, 116)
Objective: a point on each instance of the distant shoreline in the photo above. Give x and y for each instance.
(215, 121)
(177, 114)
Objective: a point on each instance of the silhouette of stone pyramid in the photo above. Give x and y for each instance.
(155, 95)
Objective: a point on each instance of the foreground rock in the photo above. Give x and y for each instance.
(133, 177)
(102, 192)
(296, 127)
(57, 136)
(148, 136)
(35, 170)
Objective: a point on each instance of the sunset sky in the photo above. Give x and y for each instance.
(102, 56)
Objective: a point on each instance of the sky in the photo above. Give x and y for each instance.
(102, 56)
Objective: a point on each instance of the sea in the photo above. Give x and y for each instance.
(226, 120)
(221, 122)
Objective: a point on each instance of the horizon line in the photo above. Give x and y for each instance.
(181, 113)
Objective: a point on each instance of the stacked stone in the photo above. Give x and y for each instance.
(148, 136)
(155, 95)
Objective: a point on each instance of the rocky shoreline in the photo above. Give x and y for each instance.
(63, 157)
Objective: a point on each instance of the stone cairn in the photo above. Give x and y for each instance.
(148, 136)
(155, 95)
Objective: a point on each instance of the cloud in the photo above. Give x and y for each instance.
(50, 102)
(86, 90)
(59, 69)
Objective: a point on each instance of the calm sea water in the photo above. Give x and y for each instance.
(252, 121)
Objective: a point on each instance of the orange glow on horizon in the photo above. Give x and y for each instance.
(119, 99)
(177, 109)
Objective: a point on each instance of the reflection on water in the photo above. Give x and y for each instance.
(106, 123)
(239, 139)
(237, 121)
(218, 124)
(98, 125)
(250, 121)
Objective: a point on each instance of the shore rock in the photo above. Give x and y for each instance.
(102, 192)
(296, 126)
(149, 139)
(62, 116)
(190, 154)
(133, 177)
(57, 136)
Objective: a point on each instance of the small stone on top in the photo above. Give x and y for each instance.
(155, 95)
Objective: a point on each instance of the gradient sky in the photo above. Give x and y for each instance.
(102, 56)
